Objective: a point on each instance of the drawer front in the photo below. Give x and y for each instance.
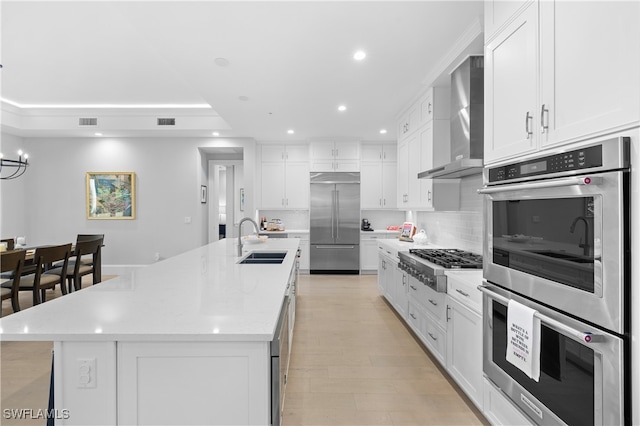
(436, 340)
(466, 292)
(436, 304)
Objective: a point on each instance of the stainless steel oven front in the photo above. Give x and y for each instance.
(557, 230)
(581, 367)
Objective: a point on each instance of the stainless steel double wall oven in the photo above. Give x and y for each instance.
(557, 239)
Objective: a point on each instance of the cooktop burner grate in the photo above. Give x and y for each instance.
(450, 258)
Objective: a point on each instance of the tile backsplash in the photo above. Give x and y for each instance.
(461, 229)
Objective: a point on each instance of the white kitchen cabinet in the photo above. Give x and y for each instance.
(511, 87)
(435, 104)
(408, 193)
(336, 156)
(386, 265)
(401, 296)
(284, 177)
(464, 349)
(550, 79)
(437, 194)
(369, 253)
(378, 178)
(498, 12)
(464, 333)
(408, 123)
(589, 79)
(305, 248)
(379, 152)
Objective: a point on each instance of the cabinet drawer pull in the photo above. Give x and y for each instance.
(412, 316)
(433, 302)
(413, 287)
(434, 338)
(462, 292)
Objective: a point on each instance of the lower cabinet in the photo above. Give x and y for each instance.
(464, 349)
(305, 247)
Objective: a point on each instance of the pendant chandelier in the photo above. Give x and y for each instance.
(11, 169)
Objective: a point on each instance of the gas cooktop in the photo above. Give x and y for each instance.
(450, 258)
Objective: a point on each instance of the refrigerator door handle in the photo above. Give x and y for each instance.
(337, 214)
(333, 214)
(335, 247)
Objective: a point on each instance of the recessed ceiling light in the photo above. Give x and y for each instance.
(342, 108)
(359, 55)
(98, 134)
(383, 131)
(290, 131)
(216, 134)
(221, 62)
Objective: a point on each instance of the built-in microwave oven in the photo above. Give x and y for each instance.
(557, 230)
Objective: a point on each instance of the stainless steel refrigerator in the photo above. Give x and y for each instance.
(335, 223)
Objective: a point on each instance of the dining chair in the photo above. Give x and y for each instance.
(12, 262)
(76, 269)
(40, 281)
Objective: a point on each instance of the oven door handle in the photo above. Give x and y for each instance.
(571, 181)
(583, 336)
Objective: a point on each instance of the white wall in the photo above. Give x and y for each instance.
(169, 172)
(13, 221)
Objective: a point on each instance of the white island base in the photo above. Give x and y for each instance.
(162, 383)
(185, 341)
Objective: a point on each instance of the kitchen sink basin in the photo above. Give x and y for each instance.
(563, 256)
(264, 257)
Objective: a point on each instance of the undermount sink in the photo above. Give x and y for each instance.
(563, 256)
(264, 257)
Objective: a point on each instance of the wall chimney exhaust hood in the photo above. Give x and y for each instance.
(466, 121)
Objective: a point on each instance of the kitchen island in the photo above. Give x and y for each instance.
(183, 341)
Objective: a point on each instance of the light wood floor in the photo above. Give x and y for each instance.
(353, 362)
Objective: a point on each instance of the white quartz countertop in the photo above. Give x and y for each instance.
(200, 295)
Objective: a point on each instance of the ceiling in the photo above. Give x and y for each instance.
(289, 65)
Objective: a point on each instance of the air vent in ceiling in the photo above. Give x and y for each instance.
(166, 121)
(85, 121)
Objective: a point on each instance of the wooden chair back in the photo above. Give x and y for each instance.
(11, 244)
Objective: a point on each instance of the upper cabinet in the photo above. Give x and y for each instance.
(284, 177)
(498, 12)
(378, 176)
(587, 84)
(335, 156)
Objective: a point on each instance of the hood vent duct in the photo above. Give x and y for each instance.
(466, 121)
(166, 121)
(87, 121)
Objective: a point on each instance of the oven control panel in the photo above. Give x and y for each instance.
(584, 158)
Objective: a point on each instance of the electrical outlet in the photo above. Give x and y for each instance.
(187, 219)
(86, 373)
(156, 257)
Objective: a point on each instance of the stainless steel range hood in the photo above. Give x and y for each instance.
(466, 121)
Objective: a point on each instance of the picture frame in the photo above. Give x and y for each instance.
(203, 194)
(111, 195)
(241, 199)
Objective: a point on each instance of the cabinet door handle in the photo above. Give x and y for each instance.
(429, 108)
(434, 338)
(528, 117)
(429, 196)
(448, 317)
(544, 111)
(462, 292)
(412, 316)
(433, 303)
(413, 288)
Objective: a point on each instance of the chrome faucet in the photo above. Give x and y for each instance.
(585, 246)
(255, 225)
